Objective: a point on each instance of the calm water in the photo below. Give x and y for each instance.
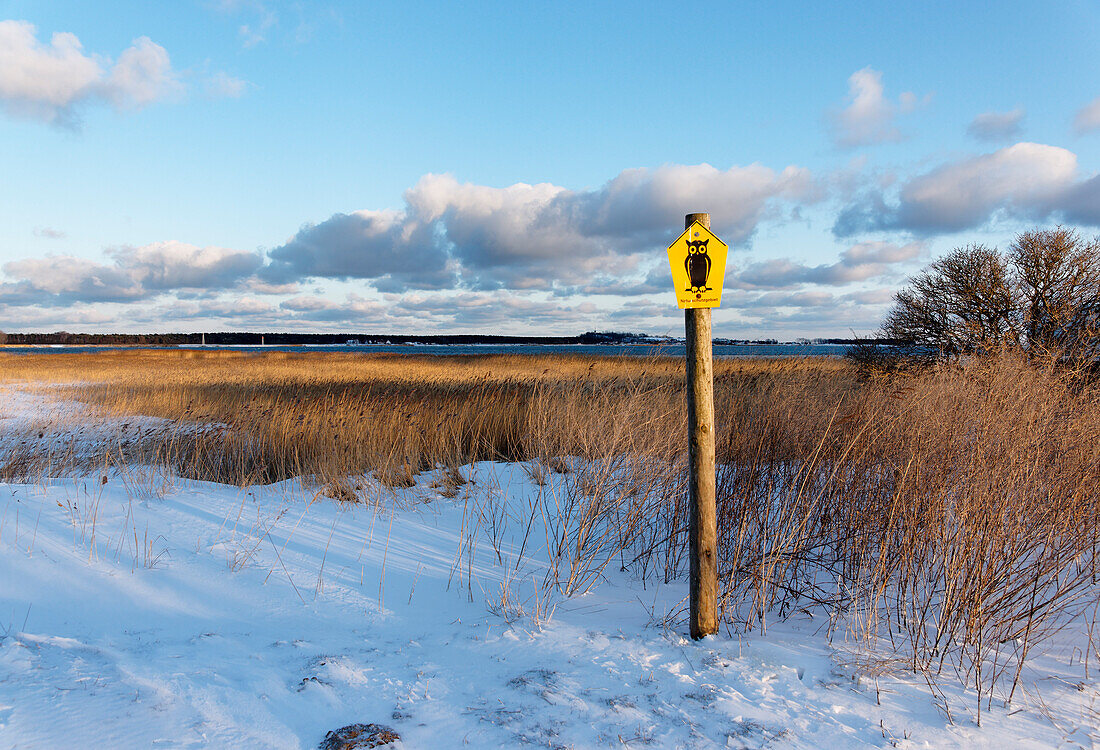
(632, 350)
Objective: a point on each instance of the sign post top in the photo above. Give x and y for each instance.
(698, 262)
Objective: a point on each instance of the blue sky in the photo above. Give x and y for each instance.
(435, 167)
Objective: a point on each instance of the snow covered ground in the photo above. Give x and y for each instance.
(149, 611)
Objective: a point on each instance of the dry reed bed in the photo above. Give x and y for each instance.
(332, 414)
(952, 515)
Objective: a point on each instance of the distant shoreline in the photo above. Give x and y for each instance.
(250, 339)
(663, 349)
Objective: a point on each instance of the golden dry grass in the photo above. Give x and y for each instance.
(953, 514)
(336, 414)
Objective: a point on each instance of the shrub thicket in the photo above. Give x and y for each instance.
(1041, 298)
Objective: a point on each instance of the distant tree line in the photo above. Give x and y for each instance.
(240, 338)
(98, 339)
(745, 342)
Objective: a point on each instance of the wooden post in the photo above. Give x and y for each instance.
(701, 507)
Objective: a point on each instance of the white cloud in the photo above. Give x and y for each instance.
(1088, 117)
(142, 75)
(60, 279)
(532, 236)
(745, 314)
(38, 80)
(94, 316)
(1026, 181)
(135, 274)
(307, 304)
(50, 81)
(865, 260)
(231, 310)
(869, 116)
(257, 286)
(177, 265)
(996, 126)
(245, 306)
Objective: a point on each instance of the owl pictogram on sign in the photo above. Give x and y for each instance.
(697, 264)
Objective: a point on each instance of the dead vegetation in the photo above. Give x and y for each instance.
(950, 516)
(281, 415)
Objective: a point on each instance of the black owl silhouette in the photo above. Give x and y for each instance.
(697, 265)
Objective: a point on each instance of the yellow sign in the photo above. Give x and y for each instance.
(698, 262)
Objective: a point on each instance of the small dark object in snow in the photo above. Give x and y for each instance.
(359, 737)
(306, 680)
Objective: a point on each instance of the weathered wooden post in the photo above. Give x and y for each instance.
(698, 262)
(701, 506)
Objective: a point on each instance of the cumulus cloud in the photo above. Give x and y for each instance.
(43, 80)
(178, 265)
(868, 116)
(1026, 180)
(135, 274)
(525, 236)
(142, 75)
(381, 245)
(49, 233)
(62, 280)
(859, 262)
(49, 82)
(1088, 117)
(996, 126)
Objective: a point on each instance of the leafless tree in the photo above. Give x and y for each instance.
(1057, 278)
(1041, 297)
